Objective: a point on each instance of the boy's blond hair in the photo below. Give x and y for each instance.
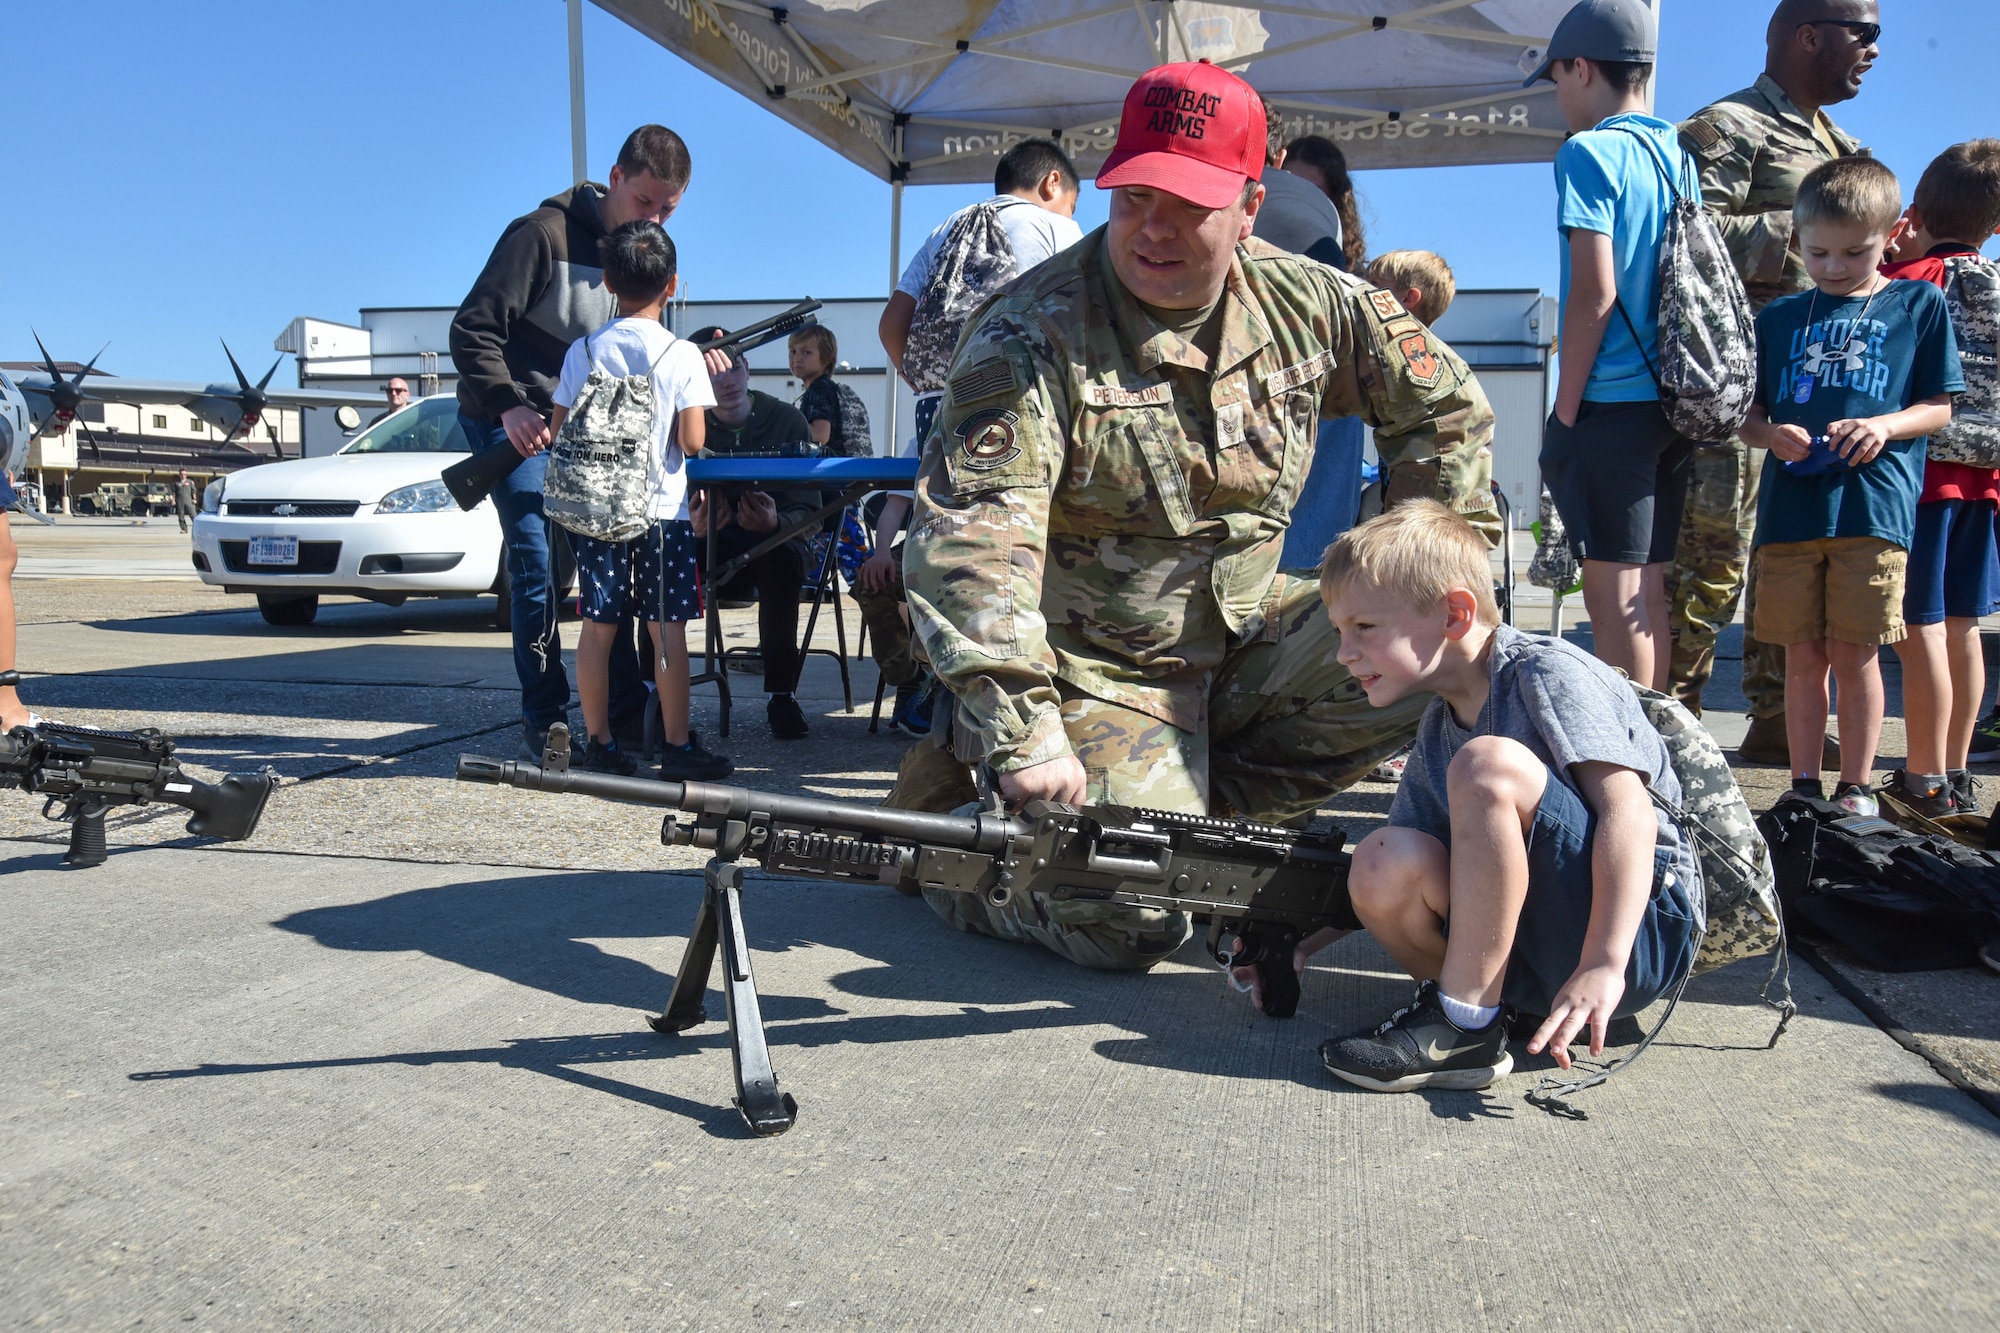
(1400, 270)
(1850, 189)
(823, 341)
(1417, 552)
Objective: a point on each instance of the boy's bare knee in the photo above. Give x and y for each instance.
(1494, 768)
(1390, 867)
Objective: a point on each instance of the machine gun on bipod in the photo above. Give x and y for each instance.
(83, 774)
(1262, 888)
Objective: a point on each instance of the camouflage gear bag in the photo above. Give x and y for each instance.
(597, 477)
(1735, 904)
(975, 259)
(1707, 369)
(1739, 896)
(1972, 290)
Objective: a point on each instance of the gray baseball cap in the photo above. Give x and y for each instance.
(1615, 31)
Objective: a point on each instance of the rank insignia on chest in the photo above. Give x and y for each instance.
(1420, 359)
(988, 440)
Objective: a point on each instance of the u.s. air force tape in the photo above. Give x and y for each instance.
(988, 439)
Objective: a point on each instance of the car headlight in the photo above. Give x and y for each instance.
(426, 497)
(211, 497)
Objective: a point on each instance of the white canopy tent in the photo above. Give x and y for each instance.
(928, 92)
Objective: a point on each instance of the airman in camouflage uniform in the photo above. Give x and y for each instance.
(1753, 148)
(1093, 567)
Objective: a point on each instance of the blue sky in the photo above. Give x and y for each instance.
(201, 170)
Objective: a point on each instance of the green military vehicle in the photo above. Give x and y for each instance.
(121, 499)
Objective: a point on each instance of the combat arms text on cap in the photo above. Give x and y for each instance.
(1192, 130)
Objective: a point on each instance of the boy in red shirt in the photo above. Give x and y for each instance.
(1954, 566)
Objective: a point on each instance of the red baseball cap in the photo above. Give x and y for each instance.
(1189, 129)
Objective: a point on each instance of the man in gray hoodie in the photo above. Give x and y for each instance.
(541, 290)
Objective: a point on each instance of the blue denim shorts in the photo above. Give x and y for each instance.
(1548, 942)
(652, 576)
(1954, 567)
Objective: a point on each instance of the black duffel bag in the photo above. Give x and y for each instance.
(1900, 901)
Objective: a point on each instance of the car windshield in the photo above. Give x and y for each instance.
(429, 427)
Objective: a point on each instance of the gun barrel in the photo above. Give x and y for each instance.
(752, 336)
(973, 833)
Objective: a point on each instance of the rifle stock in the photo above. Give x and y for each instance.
(84, 774)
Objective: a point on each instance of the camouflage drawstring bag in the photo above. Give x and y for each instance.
(1707, 369)
(973, 261)
(1972, 290)
(597, 478)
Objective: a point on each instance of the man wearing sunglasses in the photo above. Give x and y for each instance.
(1753, 148)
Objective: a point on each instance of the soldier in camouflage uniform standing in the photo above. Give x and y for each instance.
(1093, 570)
(1753, 148)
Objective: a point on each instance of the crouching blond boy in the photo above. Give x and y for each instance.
(1524, 864)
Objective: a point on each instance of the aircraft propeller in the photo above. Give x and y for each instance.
(65, 396)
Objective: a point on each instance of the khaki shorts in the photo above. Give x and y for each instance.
(1845, 588)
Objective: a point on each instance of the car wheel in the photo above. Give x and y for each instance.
(287, 611)
(503, 591)
(140, 509)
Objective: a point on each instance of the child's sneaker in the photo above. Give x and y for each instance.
(1858, 800)
(693, 764)
(1934, 804)
(1986, 738)
(1964, 791)
(607, 759)
(912, 714)
(1418, 1047)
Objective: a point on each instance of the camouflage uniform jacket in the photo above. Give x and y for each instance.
(1754, 147)
(1099, 504)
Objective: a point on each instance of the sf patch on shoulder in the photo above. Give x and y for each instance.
(986, 440)
(1421, 362)
(1385, 303)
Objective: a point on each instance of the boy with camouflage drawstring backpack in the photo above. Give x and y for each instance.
(653, 388)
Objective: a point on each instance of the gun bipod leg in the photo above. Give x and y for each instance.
(684, 1007)
(720, 921)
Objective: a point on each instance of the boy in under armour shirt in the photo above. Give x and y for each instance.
(1852, 375)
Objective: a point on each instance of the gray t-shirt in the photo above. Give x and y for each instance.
(1563, 704)
(1297, 216)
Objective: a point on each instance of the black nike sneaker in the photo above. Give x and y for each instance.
(1418, 1047)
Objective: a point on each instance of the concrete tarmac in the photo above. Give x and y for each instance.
(385, 1066)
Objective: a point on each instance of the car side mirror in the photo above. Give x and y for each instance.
(347, 418)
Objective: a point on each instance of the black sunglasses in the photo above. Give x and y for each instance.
(1864, 33)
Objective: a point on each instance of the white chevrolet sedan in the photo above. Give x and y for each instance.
(371, 521)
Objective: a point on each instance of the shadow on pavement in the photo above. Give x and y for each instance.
(538, 931)
(1945, 1100)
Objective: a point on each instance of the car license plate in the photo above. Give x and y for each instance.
(274, 550)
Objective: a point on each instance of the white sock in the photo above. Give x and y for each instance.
(1471, 1017)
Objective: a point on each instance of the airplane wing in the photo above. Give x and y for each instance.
(53, 399)
(134, 393)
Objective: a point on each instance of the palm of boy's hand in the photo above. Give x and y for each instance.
(1588, 997)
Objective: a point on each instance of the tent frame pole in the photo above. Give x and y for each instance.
(579, 152)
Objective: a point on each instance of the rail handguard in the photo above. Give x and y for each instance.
(83, 773)
(1262, 888)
